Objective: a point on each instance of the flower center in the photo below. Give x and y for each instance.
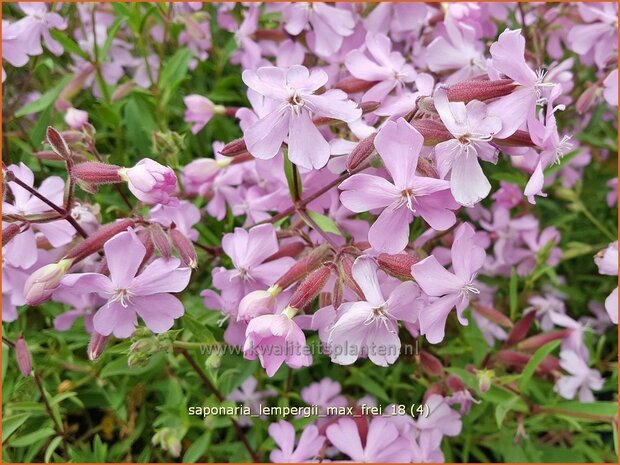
(564, 146)
(381, 316)
(296, 101)
(407, 197)
(123, 296)
(469, 288)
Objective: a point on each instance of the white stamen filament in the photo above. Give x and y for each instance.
(123, 296)
(379, 315)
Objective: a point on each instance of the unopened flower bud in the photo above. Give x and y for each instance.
(345, 270)
(73, 88)
(58, 143)
(482, 90)
(96, 346)
(398, 265)
(290, 249)
(151, 182)
(234, 148)
(96, 173)
(122, 90)
(434, 132)
(361, 152)
(493, 315)
(337, 293)
(184, 246)
(8, 233)
(520, 329)
(536, 342)
(431, 364)
(485, 377)
(72, 137)
(167, 439)
(587, 99)
(160, 239)
(369, 106)
(512, 358)
(93, 243)
(353, 85)
(519, 138)
(41, 284)
(455, 383)
(432, 389)
(258, 303)
(23, 356)
(426, 106)
(304, 266)
(310, 287)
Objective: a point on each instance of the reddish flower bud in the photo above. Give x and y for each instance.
(433, 131)
(310, 287)
(426, 106)
(512, 358)
(337, 292)
(41, 284)
(482, 90)
(73, 88)
(122, 90)
(398, 265)
(8, 233)
(433, 388)
(587, 99)
(549, 365)
(234, 148)
(290, 249)
(58, 143)
(520, 329)
(185, 248)
(96, 346)
(369, 106)
(345, 267)
(72, 137)
(431, 364)
(96, 173)
(95, 241)
(160, 239)
(23, 356)
(520, 138)
(353, 85)
(304, 266)
(362, 152)
(536, 342)
(455, 383)
(493, 315)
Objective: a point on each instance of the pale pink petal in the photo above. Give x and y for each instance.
(365, 192)
(390, 232)
(434, 279)
(158, 310)
(307, 147)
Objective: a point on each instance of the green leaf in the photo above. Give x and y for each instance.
(369, 385)
(10, 424)
(29, 439)
(44, 101)
(324, 222)
(138, 122)
(199, 330)
(68, 43)
(116, 25)
(197, 449)
(173, 73)
(514, 302)
(533, 363)
(502, 409)
(606, 408)
(54, 443)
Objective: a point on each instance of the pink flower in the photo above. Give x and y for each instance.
(35, 27)
(599, 34)
(407, 196)
(441, 417)
(293, 92)
(520, 106)
(384, 442)
(456, 50)
(607, 262)
(250, 397)
(451, 289)
(581, 379)
(308, 446)
(14, 50)
(329, 23)
(248, 251)
(276, 339)
(76, 119)
(151, 182)
(22, 250)
(610, 88)
(324, 393)
(472, 129)
(370, 327)
(387, 67)
(184, 216)
(199, 111)
(128, 293)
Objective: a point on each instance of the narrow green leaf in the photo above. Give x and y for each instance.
(29, 439)
(324, 222)
(533, 363)
(514, 282)
(197, 449)
(68, 43)
(10, 424)
(46, 100)
(54, 443)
